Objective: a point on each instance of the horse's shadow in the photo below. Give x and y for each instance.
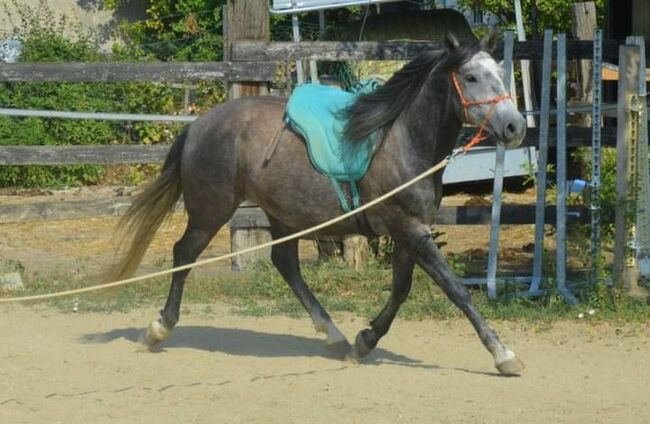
(245, 343)
(264, 345)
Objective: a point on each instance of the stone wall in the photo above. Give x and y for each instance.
(89, 13)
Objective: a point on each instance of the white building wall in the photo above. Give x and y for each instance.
(88, 13)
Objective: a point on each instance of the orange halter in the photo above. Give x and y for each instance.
(480, 135)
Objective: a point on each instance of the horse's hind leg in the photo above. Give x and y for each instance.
(200, 230)
(285, 259)
(403, 265)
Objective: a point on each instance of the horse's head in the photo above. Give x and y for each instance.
(482, 96)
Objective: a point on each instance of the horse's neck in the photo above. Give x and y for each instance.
(433, 121)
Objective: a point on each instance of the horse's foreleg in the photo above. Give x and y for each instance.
(402, 276)
(285, 259)
(196, 238)
(429, 257)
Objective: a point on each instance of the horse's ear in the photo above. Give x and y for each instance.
(489, 42)
(451, 41)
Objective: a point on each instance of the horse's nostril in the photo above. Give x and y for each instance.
(511, 129)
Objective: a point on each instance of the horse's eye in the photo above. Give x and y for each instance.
(471, 78)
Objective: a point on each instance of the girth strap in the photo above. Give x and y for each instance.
(343, 198)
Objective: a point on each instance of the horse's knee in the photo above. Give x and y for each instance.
(457, 290)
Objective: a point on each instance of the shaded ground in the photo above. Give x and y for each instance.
(219, 367)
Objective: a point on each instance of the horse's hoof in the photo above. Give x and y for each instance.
(340, 349)
(352, 357)
(510, 365)
(156, 333)
(361, 347)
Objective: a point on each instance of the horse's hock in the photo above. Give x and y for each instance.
(250, 227)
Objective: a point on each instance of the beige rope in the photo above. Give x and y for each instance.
(293, 236)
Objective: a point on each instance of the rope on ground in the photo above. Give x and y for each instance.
(440, 165)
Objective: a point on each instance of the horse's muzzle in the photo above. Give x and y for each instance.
(513, 132)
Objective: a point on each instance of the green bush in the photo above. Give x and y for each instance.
(555, 14)
(45, 39)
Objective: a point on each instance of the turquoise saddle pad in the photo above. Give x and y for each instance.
(314, 111)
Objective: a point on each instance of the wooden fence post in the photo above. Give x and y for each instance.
(356, 251)
(626, 271)
(247, 20)
(584, 23)
(642, 240)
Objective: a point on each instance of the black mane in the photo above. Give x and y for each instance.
(378, 110)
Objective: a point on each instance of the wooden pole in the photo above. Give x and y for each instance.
(642, 241)
(525, 68)
(625, 273)
(247, 20)
(584, 23)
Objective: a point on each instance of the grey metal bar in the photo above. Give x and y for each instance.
(561, 177)
(542, 161)
(295, 26)
(225, 31)
(300, 7)
(525, 67)
(576, 109)
(96, 115)
(175, 118)
(498, 182)
(313, 72)
(597, 85)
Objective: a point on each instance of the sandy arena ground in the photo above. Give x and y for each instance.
(224, 368)
(219, 367)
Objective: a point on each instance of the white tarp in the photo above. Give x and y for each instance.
(10, 50)
(294, 6)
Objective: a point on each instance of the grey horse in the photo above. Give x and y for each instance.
(219, 161)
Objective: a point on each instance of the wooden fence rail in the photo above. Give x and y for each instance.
(397, 50)
(253, 217)
(152, 72)
(79, 155)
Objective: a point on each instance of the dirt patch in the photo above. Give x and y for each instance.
(87, 245)
(219, 367)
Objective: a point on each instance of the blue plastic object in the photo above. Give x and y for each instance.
(316, 112)
(576, 186)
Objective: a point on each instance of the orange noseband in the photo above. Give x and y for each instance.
(480, 135)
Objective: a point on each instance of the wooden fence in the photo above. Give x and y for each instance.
(250, 61)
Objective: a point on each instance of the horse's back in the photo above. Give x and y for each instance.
(218, 130)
